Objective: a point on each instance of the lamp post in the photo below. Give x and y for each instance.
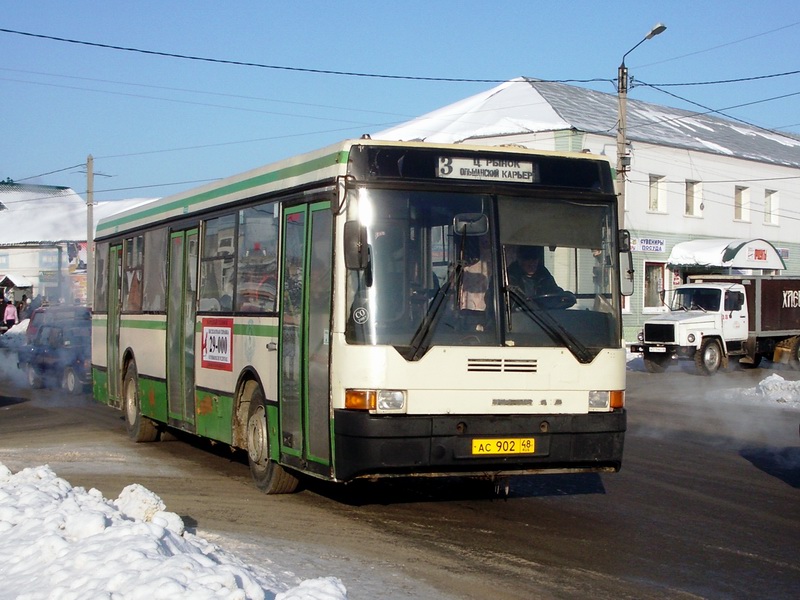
(623, 158)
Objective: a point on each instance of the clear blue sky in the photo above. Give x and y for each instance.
(156, 124)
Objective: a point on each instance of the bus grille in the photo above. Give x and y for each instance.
(501, 365)
(658, 332)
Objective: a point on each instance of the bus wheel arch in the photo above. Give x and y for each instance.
(268, 475)
(140, 428)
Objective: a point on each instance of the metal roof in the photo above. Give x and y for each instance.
(526, 105)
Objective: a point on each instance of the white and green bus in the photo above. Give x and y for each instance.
(348, 314)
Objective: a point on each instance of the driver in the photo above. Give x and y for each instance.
(529, 274)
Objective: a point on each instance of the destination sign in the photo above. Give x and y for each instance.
(487, 169)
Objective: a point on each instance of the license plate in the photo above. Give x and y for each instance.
(657, 349)
(493, 446)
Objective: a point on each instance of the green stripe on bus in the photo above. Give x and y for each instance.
(136, 324)
(323, 162)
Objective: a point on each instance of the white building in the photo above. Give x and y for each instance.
(43, 232)
(692, 176)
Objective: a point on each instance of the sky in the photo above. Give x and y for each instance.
(158, 124)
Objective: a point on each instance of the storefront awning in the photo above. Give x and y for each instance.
(15, 281)
(726, 254)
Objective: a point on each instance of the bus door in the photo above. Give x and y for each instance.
(305, 317)
(182, 286)
(113, 324)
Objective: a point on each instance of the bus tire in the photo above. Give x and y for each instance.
(708, 357)
(140, 428)
(269, 476)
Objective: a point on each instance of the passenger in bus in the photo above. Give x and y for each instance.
(529, 275)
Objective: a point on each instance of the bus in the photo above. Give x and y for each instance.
(348, 314)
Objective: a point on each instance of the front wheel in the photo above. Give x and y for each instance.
(34, 379)
(269, 476)
(140, 428)
(656, 363)
(708, 357)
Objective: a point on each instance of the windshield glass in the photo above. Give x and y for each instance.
(448, 268)
(696, 299)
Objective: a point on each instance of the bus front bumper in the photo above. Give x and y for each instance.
(368, 445)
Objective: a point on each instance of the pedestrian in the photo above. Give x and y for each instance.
(10, 315)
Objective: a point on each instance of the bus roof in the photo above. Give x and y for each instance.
(305, 169)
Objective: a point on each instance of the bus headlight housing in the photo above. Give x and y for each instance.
(379, 401)
(604, 401)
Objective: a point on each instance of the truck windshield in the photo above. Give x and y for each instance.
(696, 299)
(462, 269)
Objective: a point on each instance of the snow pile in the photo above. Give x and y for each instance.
(776, 389)
(59, 541)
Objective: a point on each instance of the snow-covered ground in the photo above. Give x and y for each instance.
(65, 542)
(68, 543)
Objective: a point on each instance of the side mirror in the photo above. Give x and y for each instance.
(625, 263)
(355, 245)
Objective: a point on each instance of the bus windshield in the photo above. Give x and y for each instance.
(459, 268)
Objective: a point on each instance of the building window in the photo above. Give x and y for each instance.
(658, 194)
(653, 286)
(741, 203)
(694, 199)
(770, 207)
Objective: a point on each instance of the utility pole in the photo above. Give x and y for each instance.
(623, 156)
(89, 231)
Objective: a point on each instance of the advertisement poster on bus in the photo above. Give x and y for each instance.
(217, 350)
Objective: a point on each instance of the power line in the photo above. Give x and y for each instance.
(267, 66)
(722, 81)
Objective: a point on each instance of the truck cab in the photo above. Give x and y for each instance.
(705, 322)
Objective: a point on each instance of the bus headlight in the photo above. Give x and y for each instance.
(605, 400)
(381, 401)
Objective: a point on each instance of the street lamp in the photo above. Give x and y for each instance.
(623, 158)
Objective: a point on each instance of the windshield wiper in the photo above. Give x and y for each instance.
(419, 343)
(550, 326)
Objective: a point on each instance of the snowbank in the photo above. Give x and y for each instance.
(59, 541)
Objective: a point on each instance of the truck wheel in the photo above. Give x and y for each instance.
(656, 363)
(708, 357)
(269, 476)
(34, 379)
(140, 428)
(794, 353)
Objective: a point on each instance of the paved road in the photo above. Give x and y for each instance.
(707, 503)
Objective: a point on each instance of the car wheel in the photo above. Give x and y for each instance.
(69, 381)
(34, 379)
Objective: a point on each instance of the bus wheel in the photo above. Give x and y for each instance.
(708, 357)
(140, 428)
(794, 353)
(268, 475)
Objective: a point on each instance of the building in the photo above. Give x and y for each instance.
(43, 232)
(692, 175)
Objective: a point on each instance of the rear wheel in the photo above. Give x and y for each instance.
(140, 428)
(34, 379)
(268, 475)
(708, 357)
(794, 353)
(69, 381)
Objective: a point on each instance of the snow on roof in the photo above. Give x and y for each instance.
(727, 253)
(41, 213)
(525, 105)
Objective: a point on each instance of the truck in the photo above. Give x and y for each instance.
(714, 318)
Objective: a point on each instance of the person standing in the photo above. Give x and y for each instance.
(10, 315)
